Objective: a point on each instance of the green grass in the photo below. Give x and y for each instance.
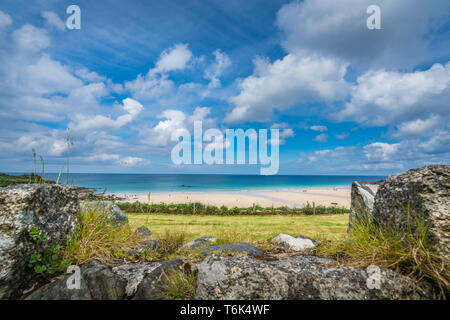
(10, 180)
(97, 238)
(406, 251)
(251, 229)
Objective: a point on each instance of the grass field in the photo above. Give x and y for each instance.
(244, 228)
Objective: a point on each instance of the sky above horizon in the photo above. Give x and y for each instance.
(346, 99)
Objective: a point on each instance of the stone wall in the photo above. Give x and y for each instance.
(52, 208)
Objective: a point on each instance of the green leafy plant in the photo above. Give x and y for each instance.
(47, 261)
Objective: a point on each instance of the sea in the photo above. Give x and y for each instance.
(162, 183)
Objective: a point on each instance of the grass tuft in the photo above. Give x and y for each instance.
(97, 238)
(410, 253)
(179, 285)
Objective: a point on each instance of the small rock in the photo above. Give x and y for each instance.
(145, 245)
(200, 242)
(291, 243)
(134, 273)
(98, 282)
(151, 287)
(110, 209)
(143, 231)
(242, 247)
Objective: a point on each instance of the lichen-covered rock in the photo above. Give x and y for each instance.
(151, 287)
(97, 282)
(242, 247)
(298, 278)
(108, 208)
(51, 208)
(200, 242)
(362, 200)
(134, 273)
(290, 243)
(143, 231)
(422, 193)
(144, 245)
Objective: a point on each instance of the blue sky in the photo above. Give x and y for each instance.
(347, 100)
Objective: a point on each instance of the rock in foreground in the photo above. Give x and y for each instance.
(362, 199)
(422, 193)
(297, 278)
(290, 243)
(50, 207)
(200, 242)
(108, 208)
(242, 247)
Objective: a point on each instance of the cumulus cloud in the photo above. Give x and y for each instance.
(338, 29)
(319, 128)
(175, 121)
(53, 20)
(285, 83)
(87, 122)
(284, 133)
(175, 58)
(386, 97)
(132, 161)
(31, 38)
(5, 20)
(156, 83)
(321, 137)
(381, 151)
(213, 72)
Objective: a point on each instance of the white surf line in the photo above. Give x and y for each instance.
(318, 194)
(292, 204)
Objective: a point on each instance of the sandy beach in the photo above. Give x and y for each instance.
(339, 197)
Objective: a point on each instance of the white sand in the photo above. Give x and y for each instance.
(339, 197)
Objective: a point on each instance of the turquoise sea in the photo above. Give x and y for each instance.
(144, 183)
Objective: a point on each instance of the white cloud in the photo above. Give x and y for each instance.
(49, 76)
(172, 59)
(132, 161)
(342, 136)
(5, 20)
(88, 122)
(216, 69)
(386, 97)
(53, 20)
(285, 83)
(381, 151)
(338, 29)
(28, 37)
(175, 121)
(321, 137)
(319, 128)
(417, 128)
